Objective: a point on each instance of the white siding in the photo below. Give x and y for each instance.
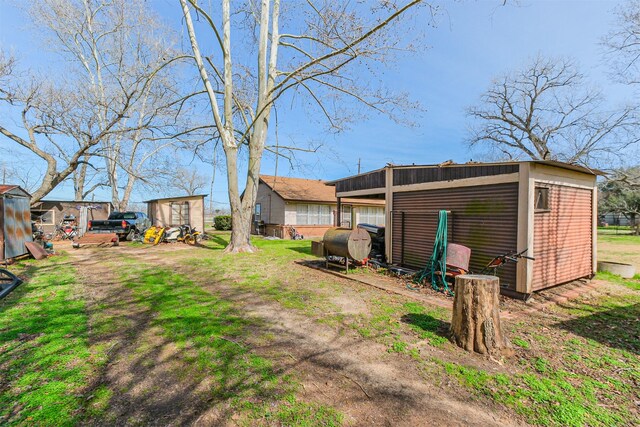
(290, 214)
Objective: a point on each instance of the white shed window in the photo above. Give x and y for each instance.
(542, 199)
(180, 213)
(313, 215)
(371, 215)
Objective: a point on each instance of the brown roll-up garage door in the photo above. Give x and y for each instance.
(484, 218)
(562, 237)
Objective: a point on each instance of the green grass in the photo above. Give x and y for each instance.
(428, 323)
(545, 396)
(581, 379)
(633, 283)
(520, 343)
(583, 373)
(45, 361)
(579, 370)
(210, 332)
(624, 239)
(389, 320)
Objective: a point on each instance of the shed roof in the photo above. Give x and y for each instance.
(449, 164)
(308, 190)
(13, 189)
(74, 201)
(176, 198)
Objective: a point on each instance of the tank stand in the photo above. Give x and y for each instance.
(335, 264)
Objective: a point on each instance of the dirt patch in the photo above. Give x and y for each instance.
(339, 368)
(140, 365)
(619, 252)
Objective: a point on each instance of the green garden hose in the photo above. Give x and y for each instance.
(436, 268)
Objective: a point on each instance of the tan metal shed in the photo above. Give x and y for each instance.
(546, 207)
(15, 221)
(175, 211)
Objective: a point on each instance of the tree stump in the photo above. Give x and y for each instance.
(475, 325)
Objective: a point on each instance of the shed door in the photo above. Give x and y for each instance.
(17, 226)
(562, 235)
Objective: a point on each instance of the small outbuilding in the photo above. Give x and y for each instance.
(15, 221)
(49, 213)
(548, 208)
(176, 211)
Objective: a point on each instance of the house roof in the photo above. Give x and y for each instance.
(6, 189)
(176, 198)
(75, 201)
(308, 190)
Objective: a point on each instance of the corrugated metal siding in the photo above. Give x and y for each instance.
(406, 176)
(16, 226)
(414, 239)
(562, 237)
(483, 218)
(367, 181)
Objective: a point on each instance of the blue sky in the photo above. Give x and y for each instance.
(473, 42)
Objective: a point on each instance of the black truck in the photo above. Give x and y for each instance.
(127, 225)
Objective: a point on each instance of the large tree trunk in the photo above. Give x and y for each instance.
(475, 325)
(240, 219)
(80, 178)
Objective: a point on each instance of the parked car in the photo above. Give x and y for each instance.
(127, 225)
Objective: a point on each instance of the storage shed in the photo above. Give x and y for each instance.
(15, 221)
(546, 207)
(176, 211)
(49, 213)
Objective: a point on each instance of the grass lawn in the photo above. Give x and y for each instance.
(575, 364)
(44, 352)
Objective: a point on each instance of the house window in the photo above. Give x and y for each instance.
(371, 215)
(541, 199)
(346, 216)
(180, 213)
(313, 215)
(258, 212)
(43, 217)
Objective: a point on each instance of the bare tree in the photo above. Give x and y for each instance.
(116, 48)
(622, 44)
(21, 171)
(43, 109)
(546, 111)
(620, 194)
(318, 50)
(185, 180)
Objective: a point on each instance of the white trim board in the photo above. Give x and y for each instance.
(456, 183)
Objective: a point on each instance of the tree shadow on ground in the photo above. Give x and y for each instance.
(159, 330)
(217, 240)
(616, 327)
(302, 250)
(427, 324)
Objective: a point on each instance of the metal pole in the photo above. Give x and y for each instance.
(402, 238)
